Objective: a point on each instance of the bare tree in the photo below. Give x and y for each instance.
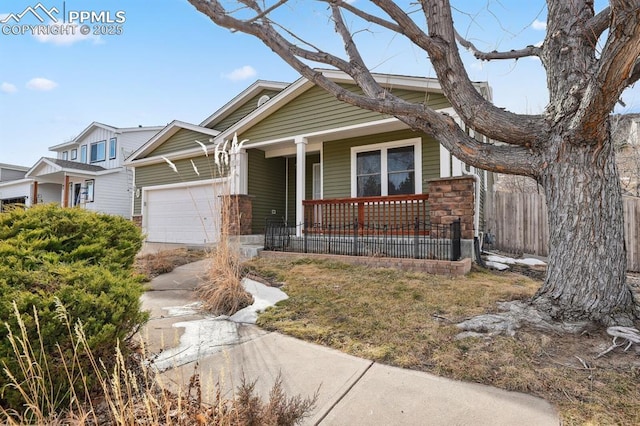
(589, 59)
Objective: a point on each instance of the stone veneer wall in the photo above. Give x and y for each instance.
(239, 214)
(451, 199)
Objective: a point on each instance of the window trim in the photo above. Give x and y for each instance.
(74, 154)
(97, 160)
(113, 143)
(384, 147)
(65, 155)
(83, 153)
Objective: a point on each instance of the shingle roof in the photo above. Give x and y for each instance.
(66, 164)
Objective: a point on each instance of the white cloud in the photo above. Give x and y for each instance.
(68, 38)
(41, 84)
(539, 25)
(8, 87)
(241, 73)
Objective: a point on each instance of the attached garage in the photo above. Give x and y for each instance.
(183, 213)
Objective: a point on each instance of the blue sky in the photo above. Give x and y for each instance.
(171, 62)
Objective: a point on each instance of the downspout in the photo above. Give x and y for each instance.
(476, 210)
(476, 217)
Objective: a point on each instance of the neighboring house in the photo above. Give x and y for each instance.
(302, 144)
(16, 189)
(88, 170)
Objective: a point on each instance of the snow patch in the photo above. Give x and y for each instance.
(263, 297)
(209, 335)
(496, 265)
(511, 261)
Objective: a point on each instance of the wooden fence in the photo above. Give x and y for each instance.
(520, 225)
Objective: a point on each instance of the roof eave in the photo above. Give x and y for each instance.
(246, 94)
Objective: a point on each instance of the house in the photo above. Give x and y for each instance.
(88, 170)
(302, 147)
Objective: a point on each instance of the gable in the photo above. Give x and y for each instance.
(317, 110)
(183, 139)
(242, 111)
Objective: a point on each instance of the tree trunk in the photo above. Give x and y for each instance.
(586, 276)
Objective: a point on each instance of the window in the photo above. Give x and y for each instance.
(97, 152)
(65, 155)
(393, 168)
(83, 154)
(74, 154)
(89, 190)
(369, 166)
(112, 148)
(401, 171)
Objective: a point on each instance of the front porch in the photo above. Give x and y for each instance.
(436, 225)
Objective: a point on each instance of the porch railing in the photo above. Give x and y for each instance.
(367, 214)
(417, 240)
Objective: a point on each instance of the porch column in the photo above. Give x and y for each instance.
(65, 192)
(34, 200)
(239, 172)
(301, 151)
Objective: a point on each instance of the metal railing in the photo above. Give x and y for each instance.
(413, 239)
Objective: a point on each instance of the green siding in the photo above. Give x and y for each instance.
(337, 160)
(266, 187)
(161, 174)
(308, 192)
(183, 140)
(317, 110)
(243, 110)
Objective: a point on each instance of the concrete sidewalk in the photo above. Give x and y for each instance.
(351, 391)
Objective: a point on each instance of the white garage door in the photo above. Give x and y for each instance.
(188, 215)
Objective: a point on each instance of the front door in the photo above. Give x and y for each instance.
(75, 191)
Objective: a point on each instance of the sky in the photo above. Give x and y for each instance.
(162, 61)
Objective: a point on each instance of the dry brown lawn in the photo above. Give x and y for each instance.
(408, 319)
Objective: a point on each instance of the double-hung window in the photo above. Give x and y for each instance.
(83, 154)
(97, 151)
(393, 168)
(74, 154)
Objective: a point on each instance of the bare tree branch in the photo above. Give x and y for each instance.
(368, 17)
(479, 114)
(598, 24)
(616, 69)
(376, 98)
(488, 56)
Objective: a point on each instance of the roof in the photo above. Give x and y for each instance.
(166, 133)
(245, 95)
(285, 96)
(65, 166)
(13, 167)
(75, 165)
(94, 125)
